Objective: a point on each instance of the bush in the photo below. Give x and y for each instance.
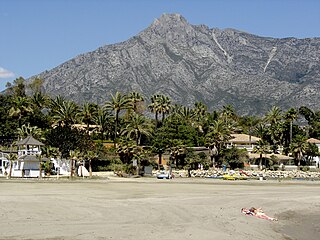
(305, 168)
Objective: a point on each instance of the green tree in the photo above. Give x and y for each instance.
(261, 148)
(137, 126)
(290, 116)
(64, 112)
(298, 148)
(87, 114)
(26, 130)
(20, 107)
(118, 102)
(137, 102)
(235, 157)
(91, 156)
(103, 119)
(219, 134)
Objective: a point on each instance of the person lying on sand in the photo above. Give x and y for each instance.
(257, 212)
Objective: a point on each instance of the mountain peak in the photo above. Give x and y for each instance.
(170, 19)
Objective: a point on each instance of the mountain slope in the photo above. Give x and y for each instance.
(194, 63)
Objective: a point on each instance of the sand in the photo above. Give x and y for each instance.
(157, 209)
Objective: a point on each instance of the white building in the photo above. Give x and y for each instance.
(316, 160)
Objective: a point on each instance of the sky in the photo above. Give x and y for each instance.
(38, 35)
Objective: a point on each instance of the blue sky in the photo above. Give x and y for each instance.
(38, 35)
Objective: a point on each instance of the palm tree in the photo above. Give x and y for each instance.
(298, 148)
(218, 135)
(248, 123)
(74, 156)
(64, 112)
(291, 115)
(201, 113)
(261, 148)
(274, 115)
(187, 114)
(164, 105)
(103, 119)
(228, 113)
(39, 101)
(118, 102)
(273, 118)
(11, 157)
(90, 155)
(138, 125)
(137, 100)
(87, 113)
(26, 130)
(154, 107)
(21, 106)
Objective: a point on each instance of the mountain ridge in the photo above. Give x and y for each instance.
(192, 63)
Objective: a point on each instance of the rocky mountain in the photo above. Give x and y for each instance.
(192, 63)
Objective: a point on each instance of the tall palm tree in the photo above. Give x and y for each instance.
(39, 101)
(103, 120)
(248, 124)
(137, 100)
(154, 107)
(90, 156)
(138, 125)
(261, 148)
(298, 148)
(187, 114)
(218, 135)
(64, 111)
(201, 113)
(290, 116)
(74, 156)
(164, 105)
(273, 118)
(118, 102)
(274, 115)
(87, 113)
(11, 157)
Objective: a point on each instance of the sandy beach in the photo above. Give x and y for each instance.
(157, 209)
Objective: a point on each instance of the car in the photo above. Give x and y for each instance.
(163, 175)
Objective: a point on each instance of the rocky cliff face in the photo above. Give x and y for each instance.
(194, 63)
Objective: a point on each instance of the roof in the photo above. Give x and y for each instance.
(243, 138)
(313, 140)
(279, 156)
(30, 141)
(32, 158)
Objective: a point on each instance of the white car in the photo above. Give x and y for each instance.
(163, 175)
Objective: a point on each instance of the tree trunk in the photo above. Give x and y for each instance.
(90, 169)
(290, 132)
(160, 162)
(10, 170)
(260, 162)
(71, 168)
(157, 122)
(115, 130)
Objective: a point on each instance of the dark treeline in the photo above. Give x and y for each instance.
(83, 130)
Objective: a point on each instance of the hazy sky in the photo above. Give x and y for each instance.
(37, 35)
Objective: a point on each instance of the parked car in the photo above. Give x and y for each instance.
(163, 175)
